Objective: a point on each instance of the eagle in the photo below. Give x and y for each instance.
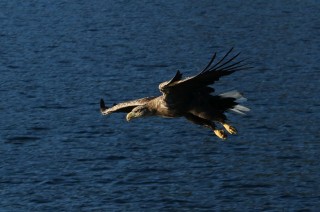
(192, 98)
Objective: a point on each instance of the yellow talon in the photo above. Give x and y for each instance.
(232, 130)
(221, 134)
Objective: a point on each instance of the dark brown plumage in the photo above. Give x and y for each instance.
(191, 98)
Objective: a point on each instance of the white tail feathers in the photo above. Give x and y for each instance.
(240, 109)
(234, 94)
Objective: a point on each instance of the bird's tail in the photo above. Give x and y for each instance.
(238, 98)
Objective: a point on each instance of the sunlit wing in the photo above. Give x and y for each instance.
(124, 107)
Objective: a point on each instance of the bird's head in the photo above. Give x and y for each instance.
(139, 111)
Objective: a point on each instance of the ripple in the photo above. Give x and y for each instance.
(39, 128)
(150, 65)
(108, 158)
(13, 67)
(22, 139)
(59, 107)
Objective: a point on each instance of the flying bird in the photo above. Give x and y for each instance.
(192, 98)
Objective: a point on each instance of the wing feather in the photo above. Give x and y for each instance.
(124, 107)
(210, 74)
(176, 78)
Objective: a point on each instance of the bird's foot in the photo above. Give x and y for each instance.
(232, 130)
(221, 134)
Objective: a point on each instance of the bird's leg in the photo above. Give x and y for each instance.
(206, 123)
(220, 133)
(232, 130)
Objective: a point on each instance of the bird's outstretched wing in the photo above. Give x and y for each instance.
(124, 107)
(210, 74)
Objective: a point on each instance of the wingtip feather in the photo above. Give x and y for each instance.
(103, 106)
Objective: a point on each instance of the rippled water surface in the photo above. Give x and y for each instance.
(58, 58)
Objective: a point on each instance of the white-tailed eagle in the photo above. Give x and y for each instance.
(191, 98)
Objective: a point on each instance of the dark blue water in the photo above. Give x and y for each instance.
(58, 58)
